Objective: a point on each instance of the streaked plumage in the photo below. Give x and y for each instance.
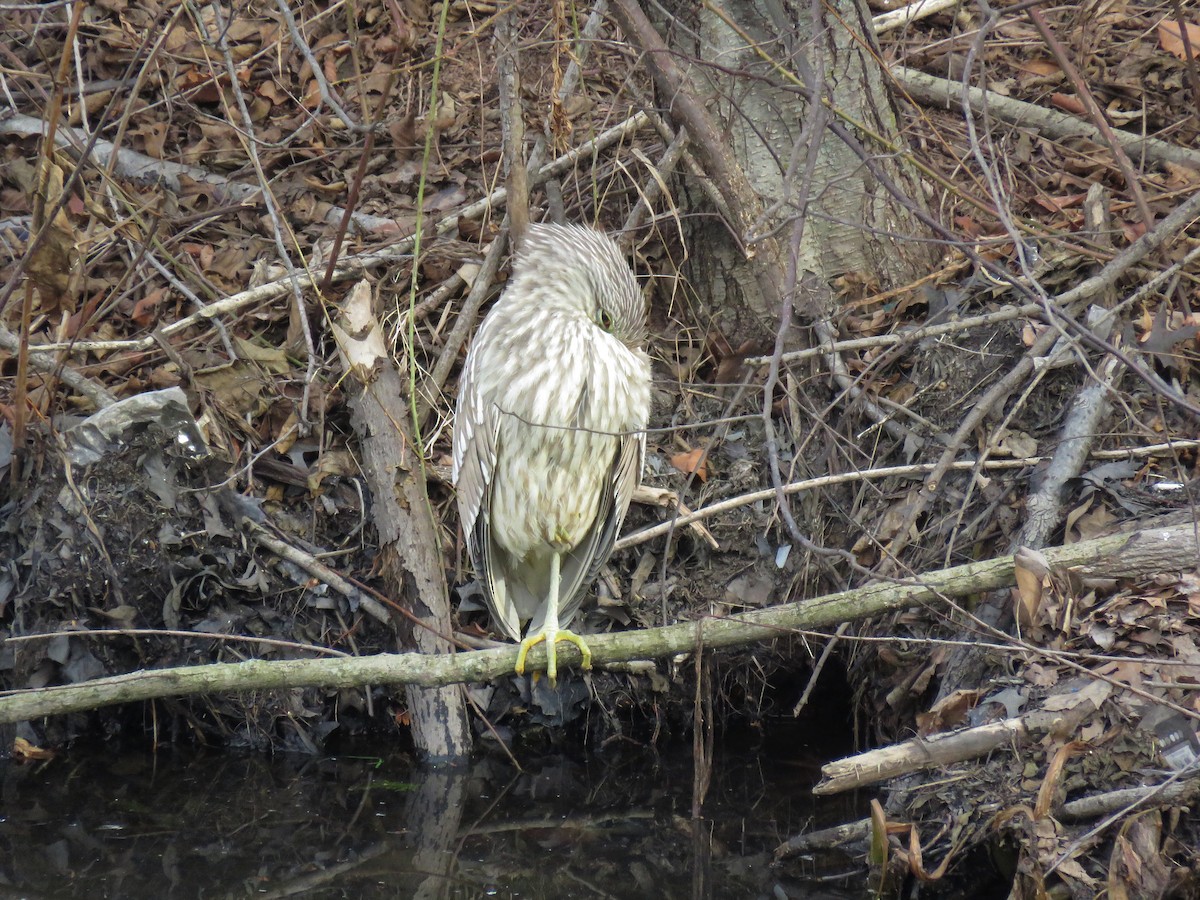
(549, 433)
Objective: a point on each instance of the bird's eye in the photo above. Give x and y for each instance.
(604, 319)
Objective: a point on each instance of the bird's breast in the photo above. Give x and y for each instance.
(563, 416)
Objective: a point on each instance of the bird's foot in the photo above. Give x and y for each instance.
(551, 637)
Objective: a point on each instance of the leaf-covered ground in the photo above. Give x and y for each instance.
(197, 253)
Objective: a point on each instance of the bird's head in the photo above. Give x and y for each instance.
(581, 270)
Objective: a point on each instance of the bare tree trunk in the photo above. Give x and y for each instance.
(756, 63)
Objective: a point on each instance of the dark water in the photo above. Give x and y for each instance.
(368, 824)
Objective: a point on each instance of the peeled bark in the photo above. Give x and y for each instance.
(408, 542)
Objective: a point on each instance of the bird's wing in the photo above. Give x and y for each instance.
(476, 448)
(582, 566)
(476, 427)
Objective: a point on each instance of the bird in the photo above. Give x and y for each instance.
(549, 431)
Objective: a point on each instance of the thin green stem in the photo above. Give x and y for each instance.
(418, 444)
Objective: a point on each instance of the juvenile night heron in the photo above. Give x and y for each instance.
(549, 434)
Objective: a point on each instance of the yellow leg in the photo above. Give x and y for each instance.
(551, 634)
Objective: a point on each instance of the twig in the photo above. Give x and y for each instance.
(932, 752)
(318, 74)
(1044, 506)
(481, 287)
(570, 77)
(280, 228)
(1189, 53)
(809, 139)
(172, 632)
(81, 384)
(991, 399)
(1105, 283)
(1056, 309)
(646, 534)
(657, 187)
(1068, 852)
(667, 499)
(318, 570)
(46, 211)
(512, 122)
(825, 838)
(197, 302)
(360, 172)
(1128, 799)
(1003, 314)
(815, 674)
(706, 185)
(708, 143)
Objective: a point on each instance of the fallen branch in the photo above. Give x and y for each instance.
(50, 364)
(1043, 510)
(1179, 792)
(138, 167)
(1136, 554)
(1159, 795)
(906, 15)
(1166, 230)
(825, 838)
(310, 564)
(932, 752)
(934, 91)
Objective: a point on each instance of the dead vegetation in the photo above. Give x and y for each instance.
(219, 179)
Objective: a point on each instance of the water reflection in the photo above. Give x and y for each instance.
(363, 826)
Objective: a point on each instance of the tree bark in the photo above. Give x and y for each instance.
(755, 64)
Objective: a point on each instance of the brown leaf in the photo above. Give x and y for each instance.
(199, 85)
(273, 359)
(1136, 867)
(121, 615)
(1170, 38)
(1058, 204)
(1043, 67)
(403, 132)
(333, 462)
(202, 253)
(51, 264)
(729, 360)
(1068, 103)
(236, 388)
(1133, 230)
(878, 853)
(947, 713)
(1031, 571)
(1048, 790)
(154, 138)
(23, 751)
(968, 226)
(145, 310)
(694, 462)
